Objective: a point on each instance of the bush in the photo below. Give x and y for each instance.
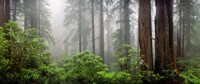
(83, 67)
(105, 77)
(190, 69)
(22, 53)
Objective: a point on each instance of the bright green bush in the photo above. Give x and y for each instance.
(83, 67)
(105, 77)
(191, 76)
(22, 53)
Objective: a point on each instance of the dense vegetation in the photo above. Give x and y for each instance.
(29, 62)
(166, 52)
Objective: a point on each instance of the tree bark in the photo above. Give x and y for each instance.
(7, 11)
(164, 36)
(145, 41)
(2, 12)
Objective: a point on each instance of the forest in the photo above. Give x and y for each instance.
(99, 42)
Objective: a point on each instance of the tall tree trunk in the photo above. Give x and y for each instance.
(39, 18)
(93, 34)
(169, 8)
(187, 9)
(26, 16)
(108, 61)
(126, 22)
(164, 35)
(121, 29)
(145, 34)
(34, 14)
(79, 25)
(127, 30)
(179, 32)
(7, 11)
(2, 12)
(14, 16)
(101, 40)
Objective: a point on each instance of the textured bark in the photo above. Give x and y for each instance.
(2, 12)
(145, 41)
(164, 36)
(169, 8)
(101, 40)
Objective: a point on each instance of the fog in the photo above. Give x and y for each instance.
(58, 30)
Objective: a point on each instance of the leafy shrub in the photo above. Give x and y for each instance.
(105, 77)
(22, 53)
(192, 76)
(126, 60)
(83, 67)
(191, 69)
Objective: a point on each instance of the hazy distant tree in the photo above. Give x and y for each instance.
(164, 35)
(184, 33)
(145, 41)
(93, 33)
(101, 40)
(79, 24)
(179, 31)
(126, 22)
(126, 28)
(72, 15)
(36, 15)
(16, 8)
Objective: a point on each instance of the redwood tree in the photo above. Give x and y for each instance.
(164, 35)
(145, 34)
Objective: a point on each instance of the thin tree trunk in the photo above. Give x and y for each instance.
(14, 10)
(127, 30)
(7, 11)
(101, 40)
(79, 25)
(179, 32)
(108, 36)
(93, 34)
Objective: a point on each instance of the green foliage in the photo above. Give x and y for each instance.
(105, 77)
(22, 54)
(192, 76)
(191, 69)
(127, 57)
(88, 68)
(149, 76)
(82, 67)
